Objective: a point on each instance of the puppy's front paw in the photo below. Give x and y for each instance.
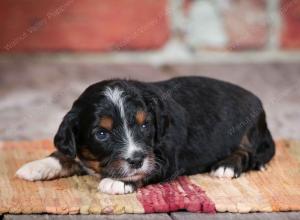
(111, 186)
(44, 169)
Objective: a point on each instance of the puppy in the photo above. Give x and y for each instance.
(134, 133)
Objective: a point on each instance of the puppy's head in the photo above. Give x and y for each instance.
(113, 128)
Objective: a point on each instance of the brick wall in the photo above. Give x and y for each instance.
(92, 25)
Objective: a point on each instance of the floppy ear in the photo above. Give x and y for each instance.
(65, 138)
(161, 116)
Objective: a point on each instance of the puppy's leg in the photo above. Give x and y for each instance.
(111, 186)
(234, 165)
(54, 166)
(256, 149)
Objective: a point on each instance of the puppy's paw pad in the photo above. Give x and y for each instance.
(43, 169)
(223, 172)
(111, 186)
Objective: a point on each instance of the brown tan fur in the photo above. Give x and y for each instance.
(140, 117)
(106, 122)
(92, 164)
(86, 154)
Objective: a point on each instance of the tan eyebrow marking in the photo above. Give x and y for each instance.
(140, 117)
(106, 122)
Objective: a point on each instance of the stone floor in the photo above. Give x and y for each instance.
(36, 93)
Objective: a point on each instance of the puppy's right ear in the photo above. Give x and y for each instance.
(65, 138)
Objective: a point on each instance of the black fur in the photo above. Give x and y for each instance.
(195, 125)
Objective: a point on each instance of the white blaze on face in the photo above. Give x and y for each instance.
(116, 96)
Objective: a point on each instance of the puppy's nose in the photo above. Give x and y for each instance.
(136, 160)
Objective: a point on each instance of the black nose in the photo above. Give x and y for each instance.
(136, 160)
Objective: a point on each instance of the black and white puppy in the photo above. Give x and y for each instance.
(134, 133)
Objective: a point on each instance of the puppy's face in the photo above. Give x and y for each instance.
(113, 132)
(118, 132)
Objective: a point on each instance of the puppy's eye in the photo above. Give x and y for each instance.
(102, 135)
(145, 125)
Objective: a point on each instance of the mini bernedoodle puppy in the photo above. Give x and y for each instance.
(133, 133)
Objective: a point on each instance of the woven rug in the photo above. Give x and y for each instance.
(276, 189)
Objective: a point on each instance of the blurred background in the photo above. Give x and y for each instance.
(51, 50)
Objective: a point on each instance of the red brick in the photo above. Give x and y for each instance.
(186, 6)
(90, 25)
(290, 33)
(245, 23)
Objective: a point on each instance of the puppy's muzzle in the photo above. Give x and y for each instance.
(136, 160)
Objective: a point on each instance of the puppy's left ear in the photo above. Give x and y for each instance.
(65, 138)
(161, 116)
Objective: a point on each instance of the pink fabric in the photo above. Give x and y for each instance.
(179, 194)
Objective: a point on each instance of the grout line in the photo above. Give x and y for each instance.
(274, 18)
(156, 57)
